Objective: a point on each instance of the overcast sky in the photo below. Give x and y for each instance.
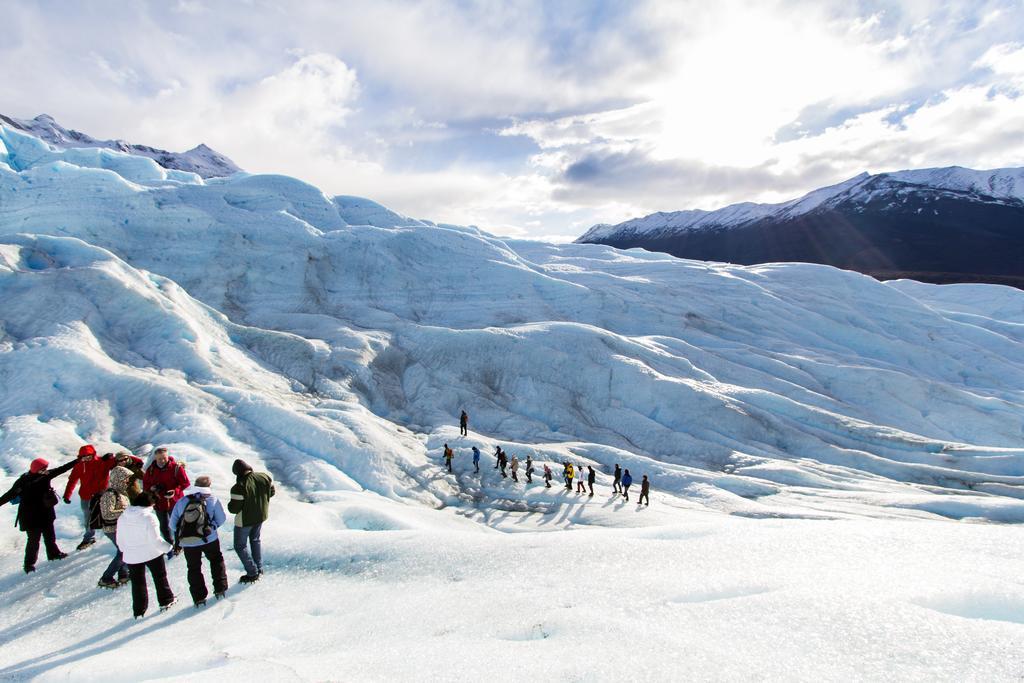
(535, 118)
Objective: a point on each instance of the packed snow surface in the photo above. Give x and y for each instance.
(1003, 185)
(830, 456)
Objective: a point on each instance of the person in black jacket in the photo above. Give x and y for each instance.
(35, 509)
(591, 478)
(617, 481)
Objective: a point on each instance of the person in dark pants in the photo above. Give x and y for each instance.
(547, 476)
(138, 537)
(448, 457)
(591, 477)
(567, 473)
(645, 491)
(581, 485)
(617, 481)
(464, 424)
(497, 457)
(250, 504)
(199, 540)
(476, 459)
(529, 469)
(113, 502)
(626, 481)
(37, 501)
(503, 463)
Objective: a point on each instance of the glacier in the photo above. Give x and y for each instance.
(815, 440)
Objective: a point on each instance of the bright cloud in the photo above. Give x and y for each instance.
(537, 118)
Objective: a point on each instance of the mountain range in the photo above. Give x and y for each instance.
(938, 225)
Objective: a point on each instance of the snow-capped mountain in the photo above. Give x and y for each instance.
(812, 437)
(200, 160)
(940, 225)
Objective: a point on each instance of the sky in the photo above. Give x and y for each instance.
(535, 119)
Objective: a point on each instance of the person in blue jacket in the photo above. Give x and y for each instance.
(627, 479)
(476, 459)
(195, 519)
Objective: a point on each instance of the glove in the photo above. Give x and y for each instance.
(67, 500)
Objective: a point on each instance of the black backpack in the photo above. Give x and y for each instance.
(95, 514)
(194, 523)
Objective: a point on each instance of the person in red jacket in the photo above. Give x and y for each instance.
(166, 480)
(94, 475)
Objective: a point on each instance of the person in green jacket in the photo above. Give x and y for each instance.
(250, 503)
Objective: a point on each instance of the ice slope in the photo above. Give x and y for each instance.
(200, 160)
(333, 342)
(997, 185)
(752, 390)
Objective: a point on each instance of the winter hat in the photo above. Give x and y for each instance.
(86, 450)
(38, 465)
(143, 500)
(240, 467)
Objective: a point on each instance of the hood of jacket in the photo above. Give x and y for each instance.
(240, 468)
(119, 477)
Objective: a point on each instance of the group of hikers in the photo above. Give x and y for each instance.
(150, 514)
(621, 481)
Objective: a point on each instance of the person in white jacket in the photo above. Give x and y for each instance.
(138, 537)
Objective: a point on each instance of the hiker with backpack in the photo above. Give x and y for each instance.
(464, 424)
(515, 467)
(626, 481)
(448, 455)
(195, 519)
(113, 502)
(93, 473)
(547, 476)
(502, 462)
(568, 474)
(139, 538)
(645, 492)
(617, 481)
(476, 459)
(250, 504)
(591, 478)
(166, 480)
(36, 501)
(529, 469)
(581, 485)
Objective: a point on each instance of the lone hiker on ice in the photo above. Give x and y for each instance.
(626, 481)
(138, 537)
(250, 503)
(515, 467)
(591, 477)
(448, 457)
(166, 480)
(113, 502)
(476, 459)
(617, 481)
(463, 424)
(195, 519)
(645, 491)
(35, 509)
(92, 472)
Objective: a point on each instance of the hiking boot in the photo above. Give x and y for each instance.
(218, 596)
(199, 603)
(108, 583)
(164, 608)
(86, 544)
(58, 556)
(29, 569)
(246, 578)
(122, 580)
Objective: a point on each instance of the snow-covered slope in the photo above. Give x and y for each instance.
(200, 160)
(997, 185)
(839, 422)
